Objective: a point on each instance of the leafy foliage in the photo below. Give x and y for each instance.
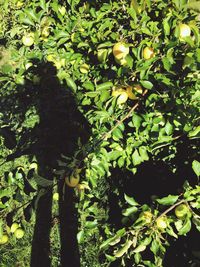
(73, 42)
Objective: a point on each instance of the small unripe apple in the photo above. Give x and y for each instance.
(185, 31)
(161, 223)
(4, 239)
(120, 51)
(19, 233)
(28, 39)
(181, 211)
(147, 216)
(148, 52)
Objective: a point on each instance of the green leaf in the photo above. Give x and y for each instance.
(143, 153)
(140, 248)
(80, 236)
(196, 167)
(186, 227)
(42, 181)
(111, 241)
(127, 212)
(196, 221)
(104, 86)
(146, 84)
(71, 84)
(123, 250)
(1, 228)
(136, 158)
(130, 200)
(169, 200)
(117, 134)
(91, 224)
(155, 247)
(168, 128)
(136, 121)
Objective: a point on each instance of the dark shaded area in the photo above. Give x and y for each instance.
(59, 127)
(156, 178)
(184, 252)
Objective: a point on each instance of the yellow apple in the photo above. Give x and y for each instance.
(56, 196)
(147, 216)
(120, 51)
(14, 227)
(148, 52)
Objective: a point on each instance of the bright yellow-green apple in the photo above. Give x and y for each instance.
(148, 52)
(181, 211)
(161, 223)
(28, 39)
(14, 227)
(184, 31)
(4, 239)
(19, 233)
(120, 50)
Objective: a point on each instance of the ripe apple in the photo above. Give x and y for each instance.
(148, 52)
(28, 39)
(19, 233)
(184, 31)
(181, 211)
(120, 51)
(121, 94)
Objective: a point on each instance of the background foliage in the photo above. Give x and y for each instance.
(135, 157)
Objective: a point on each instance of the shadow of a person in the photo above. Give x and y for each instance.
(57, 132)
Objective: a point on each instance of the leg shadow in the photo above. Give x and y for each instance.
(60, 125)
